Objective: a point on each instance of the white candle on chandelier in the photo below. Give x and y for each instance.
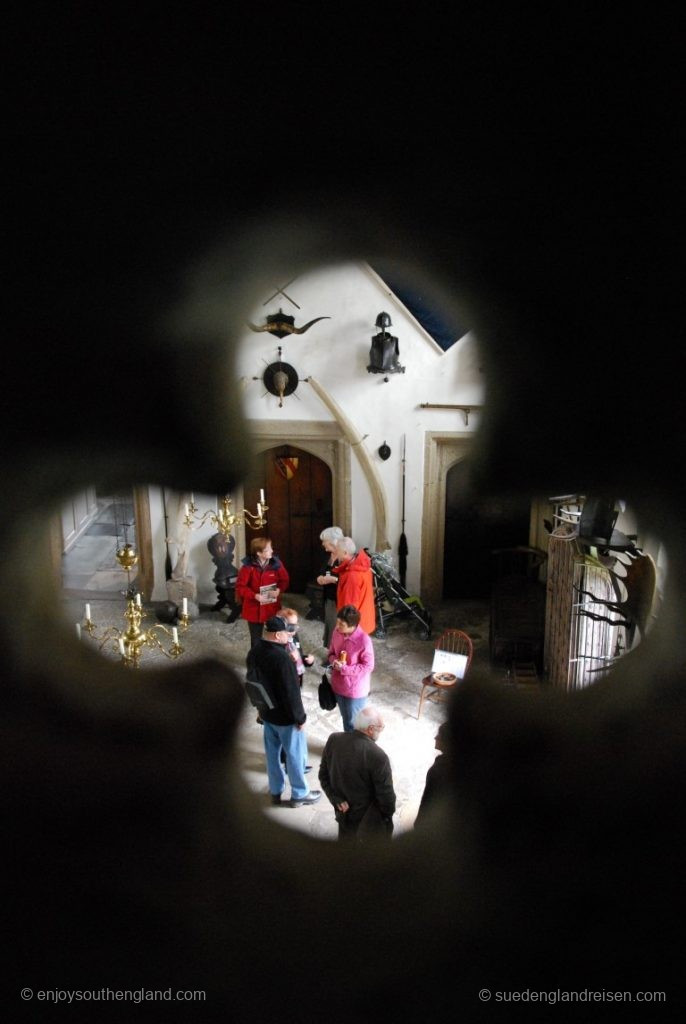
(78, 630)
(186, 511)
(88, 612)
(122, 649)
(175, 634)
(138, 600)
(184, 606)
(261, 495)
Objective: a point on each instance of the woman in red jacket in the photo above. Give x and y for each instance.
(261, 581)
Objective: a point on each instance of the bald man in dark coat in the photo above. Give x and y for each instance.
(356, 776)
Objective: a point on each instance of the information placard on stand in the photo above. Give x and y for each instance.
(446, 661)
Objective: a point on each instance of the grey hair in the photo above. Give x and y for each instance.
(346, 545)
(331, 533)
(366, 716)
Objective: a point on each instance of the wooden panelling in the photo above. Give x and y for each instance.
(563, 553)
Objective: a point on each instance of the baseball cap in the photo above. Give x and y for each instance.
(275, 624)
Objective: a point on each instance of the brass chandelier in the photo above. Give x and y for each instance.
(223, 519)
(131, 641)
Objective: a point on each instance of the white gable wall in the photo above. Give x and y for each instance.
(336, 352)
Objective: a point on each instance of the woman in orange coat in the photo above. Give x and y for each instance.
(355, 582)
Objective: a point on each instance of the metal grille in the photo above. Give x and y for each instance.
(595, 644)
(579, 649)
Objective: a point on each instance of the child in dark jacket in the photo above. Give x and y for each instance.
(301, 660)
(290, 616)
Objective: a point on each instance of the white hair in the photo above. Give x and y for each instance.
(366, 716)
(332, 534)
(346, 545)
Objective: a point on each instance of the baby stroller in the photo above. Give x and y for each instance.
(391, 598)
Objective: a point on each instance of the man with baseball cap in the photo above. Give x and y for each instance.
(270, 665)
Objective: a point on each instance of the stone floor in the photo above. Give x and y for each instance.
(90, 573)
(402, 659)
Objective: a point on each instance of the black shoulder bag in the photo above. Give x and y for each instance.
(327, 698)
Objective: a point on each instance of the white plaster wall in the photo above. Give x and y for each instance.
(336, 353)
(200, 564)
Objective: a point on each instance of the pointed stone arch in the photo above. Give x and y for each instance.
(321, 438)
(442, 449)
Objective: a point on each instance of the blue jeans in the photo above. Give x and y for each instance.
(348, 707)
(294, 743)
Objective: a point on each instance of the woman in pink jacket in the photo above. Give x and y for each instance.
(351, 655)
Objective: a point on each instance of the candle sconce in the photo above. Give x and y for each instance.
(132, 640)
(224, 520)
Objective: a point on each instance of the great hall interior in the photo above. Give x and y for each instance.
(329, 286)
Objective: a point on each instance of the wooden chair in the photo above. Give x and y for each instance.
(457, 642)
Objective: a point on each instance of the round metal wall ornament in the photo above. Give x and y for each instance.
(280, 379)
(384, 452)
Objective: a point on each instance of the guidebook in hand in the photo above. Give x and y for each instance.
(269, 591)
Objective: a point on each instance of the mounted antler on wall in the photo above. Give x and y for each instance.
(282, 324)
(635, 610)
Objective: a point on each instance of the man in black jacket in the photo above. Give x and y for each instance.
(356, 776)
(437, 779)
(270, 665)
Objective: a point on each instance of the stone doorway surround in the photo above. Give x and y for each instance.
(324, 439)
(442, 450)
(141, 513)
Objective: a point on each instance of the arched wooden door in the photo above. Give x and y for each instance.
(298, 490)
(474, 527)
